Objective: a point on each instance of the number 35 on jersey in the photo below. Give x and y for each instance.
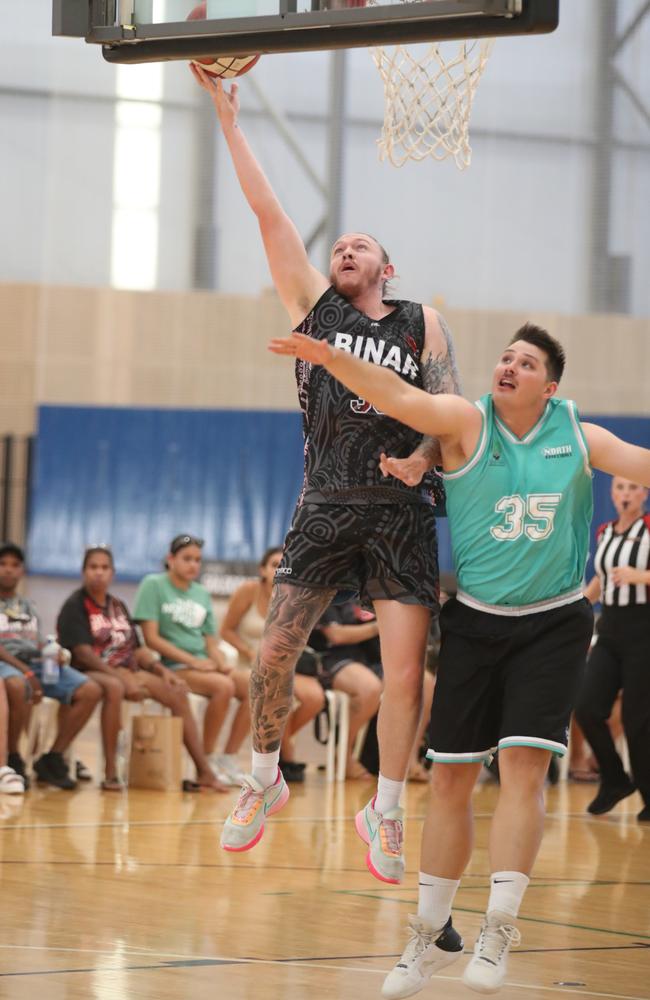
(531, 516)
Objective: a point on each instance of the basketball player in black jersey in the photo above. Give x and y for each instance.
(364, 521)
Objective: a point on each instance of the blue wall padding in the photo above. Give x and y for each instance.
(137, 477)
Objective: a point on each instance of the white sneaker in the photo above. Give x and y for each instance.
(227, 769)
(427, 952)
(486, 971)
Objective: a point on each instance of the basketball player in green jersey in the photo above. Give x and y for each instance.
(517, 469)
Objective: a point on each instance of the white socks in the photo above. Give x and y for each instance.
(388, 795)
(435, 897)
(507, 891)
(265, 767)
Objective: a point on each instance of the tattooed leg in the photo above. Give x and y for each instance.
(293, 612)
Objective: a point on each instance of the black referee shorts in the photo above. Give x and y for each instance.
(383, 552)
(506, 681)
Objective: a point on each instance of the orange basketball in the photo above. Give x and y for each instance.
(221, 66)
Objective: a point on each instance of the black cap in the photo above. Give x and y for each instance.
(11, 549)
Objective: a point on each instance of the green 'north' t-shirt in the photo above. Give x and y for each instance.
(184, 617)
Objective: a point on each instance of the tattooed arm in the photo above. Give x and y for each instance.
(439, 374)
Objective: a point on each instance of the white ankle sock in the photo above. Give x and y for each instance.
(435, 897)
(388, 795)
(507, 891)
(265, 767)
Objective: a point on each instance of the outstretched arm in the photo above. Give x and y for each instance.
(611, 454)
(439, 374)
(450, 418)
(299, 285)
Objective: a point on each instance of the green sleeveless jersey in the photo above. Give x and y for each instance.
(520, 512)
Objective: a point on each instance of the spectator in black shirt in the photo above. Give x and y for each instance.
(97, 629)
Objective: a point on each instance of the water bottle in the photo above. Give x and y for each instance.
(50, 670)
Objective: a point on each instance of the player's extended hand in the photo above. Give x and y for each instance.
(318, 352)
(410, 470)
(226, 102)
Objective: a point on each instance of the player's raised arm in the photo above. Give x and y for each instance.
(448, 417)
(439, 374)
(298, 283)
(610, 453)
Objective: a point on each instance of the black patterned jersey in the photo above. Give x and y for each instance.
(345, 435)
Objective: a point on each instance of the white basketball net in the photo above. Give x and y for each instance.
(428, 99)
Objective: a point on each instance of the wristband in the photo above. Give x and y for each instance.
(29, 674)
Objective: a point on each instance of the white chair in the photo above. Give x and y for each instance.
(333, 754)
(41, 730)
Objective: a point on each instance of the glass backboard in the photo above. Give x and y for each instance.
(133, 31)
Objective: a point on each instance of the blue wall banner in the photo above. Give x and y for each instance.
(134, 478)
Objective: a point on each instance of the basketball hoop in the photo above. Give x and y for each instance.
(428, 99)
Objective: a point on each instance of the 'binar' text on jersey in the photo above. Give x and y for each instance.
(344, 435)
(378, 352)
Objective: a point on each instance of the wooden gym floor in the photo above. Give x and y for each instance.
(110, 896)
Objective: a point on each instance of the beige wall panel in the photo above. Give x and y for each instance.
(66, 381)
(17, 419)
(69, 322)
(18, 308)
(108, 347)
(16, 380)
(608, 363)
(608, 357)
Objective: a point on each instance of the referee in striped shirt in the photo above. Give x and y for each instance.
(620, 658)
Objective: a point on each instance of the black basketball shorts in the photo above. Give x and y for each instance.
(506, 681)
(379, 551)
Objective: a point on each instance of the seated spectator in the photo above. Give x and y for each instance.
(21, 644)
(11, 783)
(178, 623)
(242, 627)
(348, 640)
(97, 629)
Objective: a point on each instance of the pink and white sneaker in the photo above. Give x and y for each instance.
(384, 835)
(245, 824)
